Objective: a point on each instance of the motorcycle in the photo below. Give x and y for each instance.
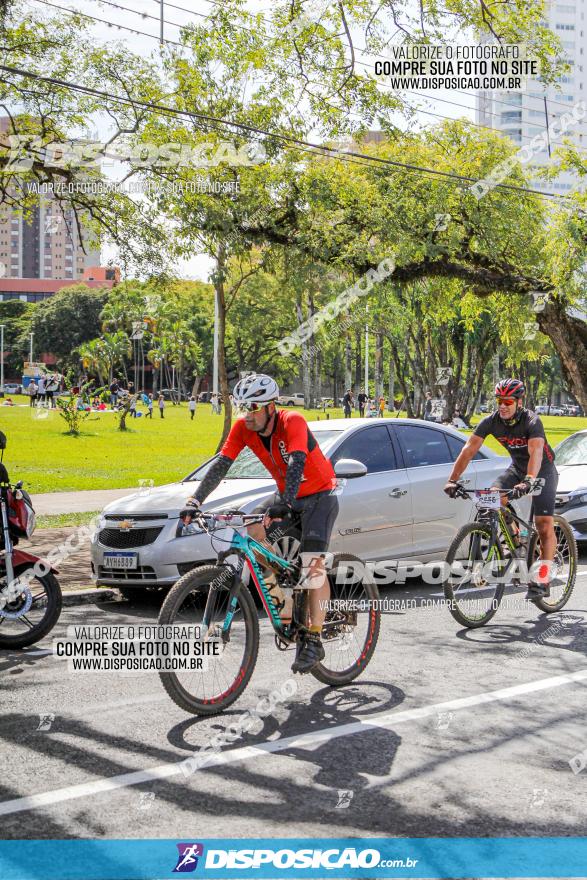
(30, 595)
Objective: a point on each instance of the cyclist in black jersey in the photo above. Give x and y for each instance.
(521, 432)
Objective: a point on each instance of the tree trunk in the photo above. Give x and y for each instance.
(358, 362)
(222, 376)
(569, 337)
(391, 384)
(347, 361)
(378, 364)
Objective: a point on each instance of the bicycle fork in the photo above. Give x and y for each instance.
(229, 573)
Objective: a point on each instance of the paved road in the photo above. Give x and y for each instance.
(416, 760)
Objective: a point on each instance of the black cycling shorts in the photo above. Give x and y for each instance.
(317, 515)
(542, 504)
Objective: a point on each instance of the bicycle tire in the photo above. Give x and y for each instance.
(198, 580)
(544, 605)
(36, 633)
(336, 678)
(454, 608)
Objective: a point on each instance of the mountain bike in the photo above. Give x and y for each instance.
(216, 598)
(487, 555)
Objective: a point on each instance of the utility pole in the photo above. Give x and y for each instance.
(367, 354)
(215, 361)
(161, 40)
(31, 349)
(2, 360)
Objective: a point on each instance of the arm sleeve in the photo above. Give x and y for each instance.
(218, 470)
(484, 427)
(293, 475)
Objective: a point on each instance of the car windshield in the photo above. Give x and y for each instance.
(248, 467)
(573, 450)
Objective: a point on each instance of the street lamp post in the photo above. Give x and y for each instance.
(2, 359)
(31, 349)
(367, 354)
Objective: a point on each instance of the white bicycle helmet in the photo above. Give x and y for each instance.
(256, 388)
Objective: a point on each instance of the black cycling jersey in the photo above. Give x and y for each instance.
(515, 438)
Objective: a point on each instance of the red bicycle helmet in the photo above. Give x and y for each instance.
(510, 388)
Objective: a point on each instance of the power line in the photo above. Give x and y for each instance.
(308, 146)
(107, 23)
(416, 109)
(362, 49)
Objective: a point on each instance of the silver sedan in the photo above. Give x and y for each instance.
(395, 509)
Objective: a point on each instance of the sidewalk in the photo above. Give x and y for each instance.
(51, 503)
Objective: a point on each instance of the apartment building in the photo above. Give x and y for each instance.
(523, 115)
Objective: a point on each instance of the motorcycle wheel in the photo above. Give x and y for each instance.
(41, 617)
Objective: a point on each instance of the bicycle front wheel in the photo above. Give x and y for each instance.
(351, 627)
(224, 676)
(473, 586)
(564, 570)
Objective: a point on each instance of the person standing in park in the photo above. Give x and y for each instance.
(381, 407)
(114, 389)
(41, 390)
(133, 406)
(32, 390)
(192, 407)
(347, 403)
(150, 406)
(362, 399)
(161, 405)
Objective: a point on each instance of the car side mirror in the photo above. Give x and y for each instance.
(350, 468)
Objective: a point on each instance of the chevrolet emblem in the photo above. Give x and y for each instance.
(126, 525)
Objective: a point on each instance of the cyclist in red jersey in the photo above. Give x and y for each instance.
(305, 481)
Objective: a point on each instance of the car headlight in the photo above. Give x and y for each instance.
(578, 496)
(183, 531)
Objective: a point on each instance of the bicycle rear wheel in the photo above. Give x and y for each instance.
(351, 626)
(473, 586)
(224, 677)
(564, 571)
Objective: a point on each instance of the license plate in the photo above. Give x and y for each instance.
(488, 500)
(121, 560)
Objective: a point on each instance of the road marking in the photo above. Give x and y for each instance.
(244, 753)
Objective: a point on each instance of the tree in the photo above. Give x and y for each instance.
(67, 320)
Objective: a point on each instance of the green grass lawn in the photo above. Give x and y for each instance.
(40, 453)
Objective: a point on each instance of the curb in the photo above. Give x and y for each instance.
(86, 597)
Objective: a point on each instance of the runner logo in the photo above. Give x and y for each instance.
(187, 860)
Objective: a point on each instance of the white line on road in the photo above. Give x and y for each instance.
(231, 756)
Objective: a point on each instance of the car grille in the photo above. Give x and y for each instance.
(136, 517)
(579, 524)
(184, 567)
(141, 573)
(120, 540)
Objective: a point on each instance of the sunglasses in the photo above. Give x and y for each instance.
(251, 407)
(506, 400)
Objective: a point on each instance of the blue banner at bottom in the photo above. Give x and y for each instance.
(293, 858)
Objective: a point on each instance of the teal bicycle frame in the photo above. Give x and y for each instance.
(244, 546)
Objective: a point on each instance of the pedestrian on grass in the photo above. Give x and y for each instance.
(41, 390)
(114, 389)
(381, 407)
(161, 405)
(133, 406)
(150, 407)
(347, 402)
(362, 399)
(192, 407)
(32, 389)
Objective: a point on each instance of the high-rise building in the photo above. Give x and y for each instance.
(523, 115)
(46, 244)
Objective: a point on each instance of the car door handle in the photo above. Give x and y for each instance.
(397, 492)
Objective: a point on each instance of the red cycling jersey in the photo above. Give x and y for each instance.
(291, 434)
